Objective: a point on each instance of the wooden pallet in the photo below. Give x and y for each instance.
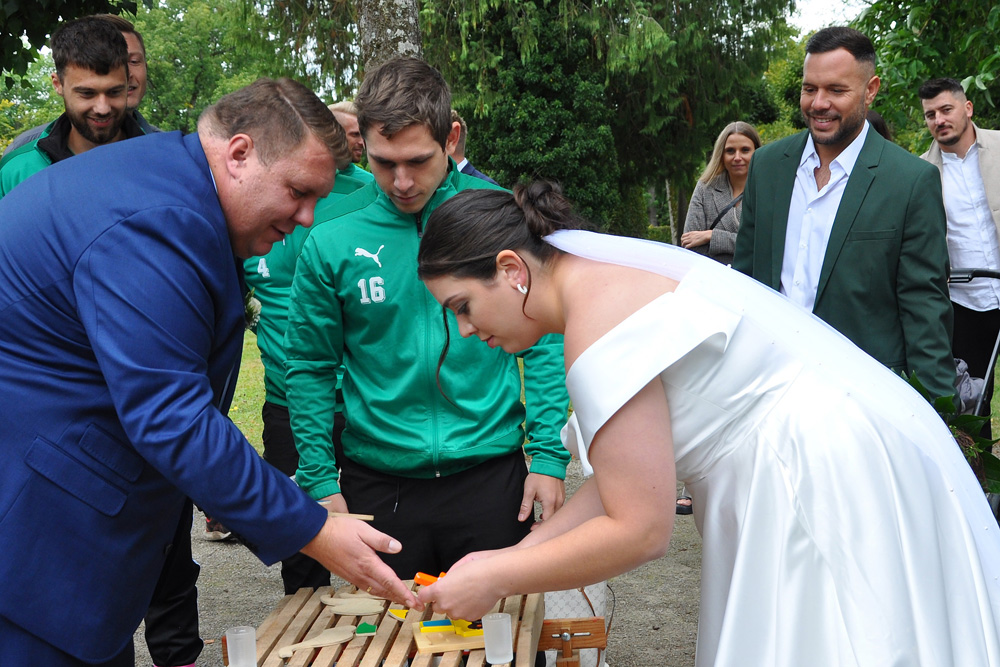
(301, 616)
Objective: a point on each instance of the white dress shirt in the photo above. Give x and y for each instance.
(972, 236)
(810, 219)
(461, 165)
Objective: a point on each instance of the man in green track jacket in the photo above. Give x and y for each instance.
(433, 446)
(270, 276)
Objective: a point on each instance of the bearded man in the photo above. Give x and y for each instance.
(850, 226)
(91, 57)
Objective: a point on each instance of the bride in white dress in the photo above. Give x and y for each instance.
(841, 524)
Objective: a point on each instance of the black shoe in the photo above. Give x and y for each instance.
(685, 508)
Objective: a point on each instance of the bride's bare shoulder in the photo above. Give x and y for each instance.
(604, 297)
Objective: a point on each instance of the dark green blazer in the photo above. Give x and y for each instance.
(883, 283)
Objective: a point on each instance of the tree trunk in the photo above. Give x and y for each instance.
(388, 28)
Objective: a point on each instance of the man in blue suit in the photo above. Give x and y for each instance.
(123, 319)
(458, 155)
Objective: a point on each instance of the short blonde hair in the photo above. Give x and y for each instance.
(345, 106)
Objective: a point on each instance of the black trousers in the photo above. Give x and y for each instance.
(297, 571)
(975, 334)
(440, 520)
(172, 618)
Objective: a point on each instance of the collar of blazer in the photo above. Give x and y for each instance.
(862, 176)
(988, 142)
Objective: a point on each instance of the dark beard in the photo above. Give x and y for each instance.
(848, 126)
(88, 133)
(952, 141)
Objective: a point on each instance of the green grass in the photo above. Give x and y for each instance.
(249, 396)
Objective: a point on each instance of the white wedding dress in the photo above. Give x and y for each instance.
(841, 524)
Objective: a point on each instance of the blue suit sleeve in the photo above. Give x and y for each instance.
(155, 295)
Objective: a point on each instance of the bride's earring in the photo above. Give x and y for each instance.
(522, 289)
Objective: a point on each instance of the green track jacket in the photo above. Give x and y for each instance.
(270, 277)
(356, 301)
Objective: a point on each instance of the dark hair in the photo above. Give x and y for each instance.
(935, 87)
(465, 234)
(879, 125)
(123, 25)
(277, 114)
(90, 43)
(402, 92)
(836, 37)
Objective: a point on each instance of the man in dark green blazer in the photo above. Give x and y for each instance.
(849, 225)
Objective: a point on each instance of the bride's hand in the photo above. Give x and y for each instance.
(467, 592)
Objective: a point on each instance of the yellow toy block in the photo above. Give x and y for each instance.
(468, 628)
(443, 625)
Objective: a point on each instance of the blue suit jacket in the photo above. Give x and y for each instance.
(122, 330)
(472, 171)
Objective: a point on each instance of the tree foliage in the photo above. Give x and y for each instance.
(32, 103)
(191, 68)
(318, 41)
(186, 69)
(34, 22)
(549, 118)
(924, 39)
(669, 76)
(674, 72)
(782, 86)
(657, 78)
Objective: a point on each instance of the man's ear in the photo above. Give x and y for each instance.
(239, 149)
(57, 84)
(871, 90)
(512, 269)
(452, 141)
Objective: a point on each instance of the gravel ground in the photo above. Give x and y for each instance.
(654, 623)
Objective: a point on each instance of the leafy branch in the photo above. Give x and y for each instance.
(967, 430)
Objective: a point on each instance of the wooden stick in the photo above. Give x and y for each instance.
(348, 515)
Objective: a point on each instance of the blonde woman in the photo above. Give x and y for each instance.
(713, 217)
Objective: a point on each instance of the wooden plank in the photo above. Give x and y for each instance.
(269, 636)
(526, 641)
(453, 659)
(403, 644)
(476, 659)
(272, 618)
(297, 628)
(356, 648)
(386, 634)
(382, 641)
(328, 655)
(423, 659)
(296, 618)
(321, 622)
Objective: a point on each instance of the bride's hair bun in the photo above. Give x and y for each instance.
(544, 207)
